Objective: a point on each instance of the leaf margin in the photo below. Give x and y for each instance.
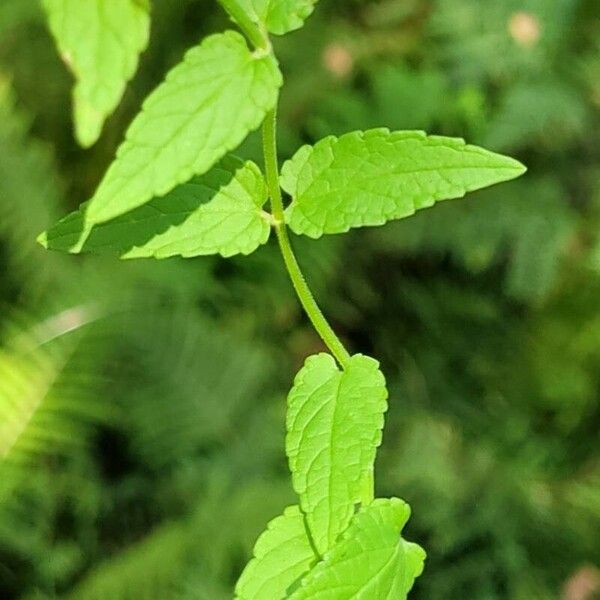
(298, 170)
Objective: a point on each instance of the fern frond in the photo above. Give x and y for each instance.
(526, 226)
(26, 171)
(145, 571)
(46, 383)
(188, 383)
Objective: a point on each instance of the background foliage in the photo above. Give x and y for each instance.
(141, 403)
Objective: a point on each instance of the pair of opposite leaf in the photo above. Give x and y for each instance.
(324, 548)
(160, 198)
(174, 189)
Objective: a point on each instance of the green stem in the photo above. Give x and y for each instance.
(245, 23)
(293, 268)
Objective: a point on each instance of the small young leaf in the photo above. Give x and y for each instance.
(215, 213)
(370, 561)
(120, 30)
(334, 424)
(282, 555)
(205, 107)
(368, 178)
(278, 16)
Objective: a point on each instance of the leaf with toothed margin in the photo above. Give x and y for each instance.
(282, 555)
(219, 212)
(334, 424)
(278, 16)
(205, 107)
(120, 28)
(370, 561)
(368, 178)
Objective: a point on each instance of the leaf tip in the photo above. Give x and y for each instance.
(88, 122)
(42, 239)
(520, 168)
(514, 166)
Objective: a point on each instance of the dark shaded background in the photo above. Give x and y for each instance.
(147, 450)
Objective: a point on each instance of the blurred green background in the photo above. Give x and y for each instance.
(142, 403)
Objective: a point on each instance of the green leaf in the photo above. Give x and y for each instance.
(367, 178)
(205, 107)
(370, 561)
(100, 42)
(219, 212)
(278, 16)
(334, 424)
(282, 555)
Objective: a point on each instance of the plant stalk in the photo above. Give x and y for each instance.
(249, 27)
(303, 292)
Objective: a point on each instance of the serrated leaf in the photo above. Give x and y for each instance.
(100, 42)
(368, 178)
(282, 555)
(370, 561)
(334, 424)
(205, 107)
(219, 212)
(278, 16)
